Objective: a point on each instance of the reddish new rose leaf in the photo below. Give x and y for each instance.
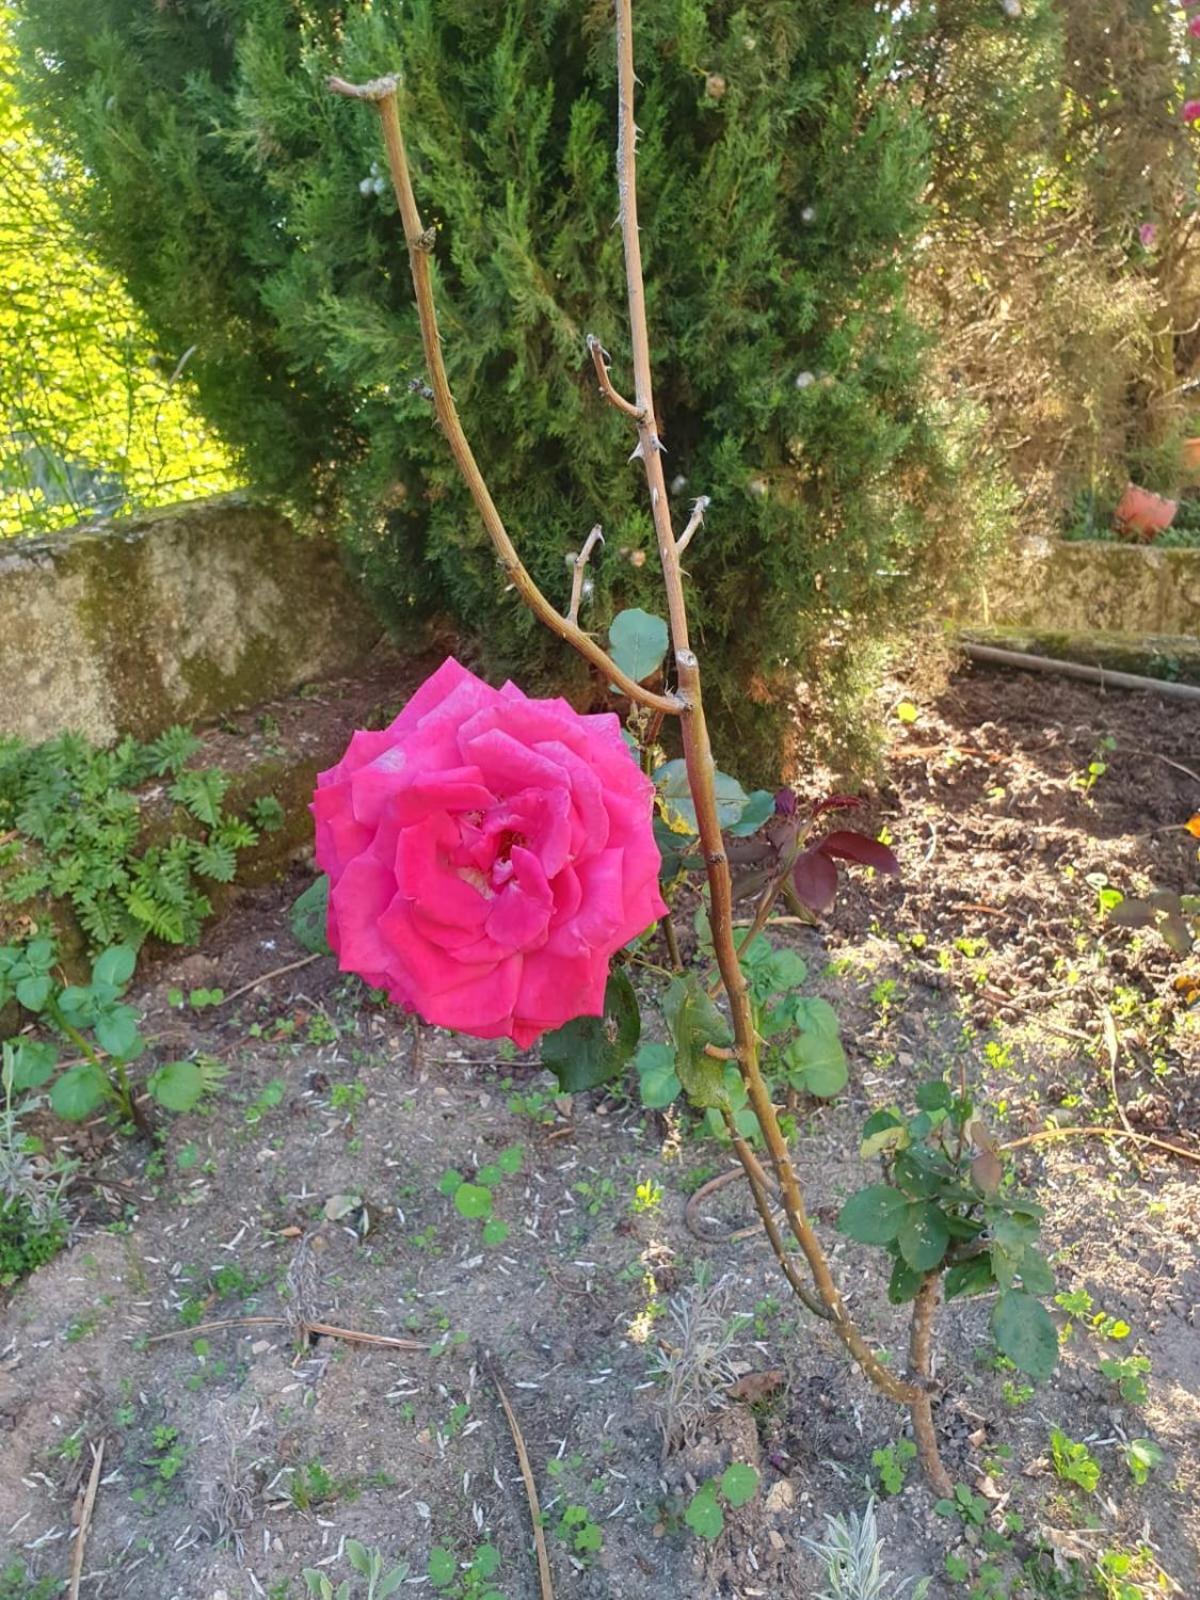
(836, 802)
(860, 847)
(816, 879)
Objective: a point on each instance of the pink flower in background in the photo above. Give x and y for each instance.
(487, 854)
(1191, 111)
(1194, 27)
(1148, 234)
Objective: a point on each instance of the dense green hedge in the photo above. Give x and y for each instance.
(781, 169)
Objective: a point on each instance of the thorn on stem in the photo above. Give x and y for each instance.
(578, 563)
(699, 507)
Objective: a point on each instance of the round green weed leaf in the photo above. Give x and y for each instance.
(115, 965)
(78, 1092)
(442, 1567)
(657, 1079)
(178, 1085)
(472, 1200)
(739, 1483)
(704, 1516)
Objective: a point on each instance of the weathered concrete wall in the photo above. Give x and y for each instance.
(179, 615)
(1079, 587)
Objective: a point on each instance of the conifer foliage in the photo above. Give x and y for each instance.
(782, 164)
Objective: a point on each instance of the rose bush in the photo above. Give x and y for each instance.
(487, 854)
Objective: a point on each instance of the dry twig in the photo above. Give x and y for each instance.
(324, 1330)
(531, 1494)
(85, 1520)
(275, 972)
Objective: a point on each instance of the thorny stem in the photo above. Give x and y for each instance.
(672, 938)
(920, 1350)
(686, 702)
(420, 241)
(578, 563)
(698, 753)
(757, 1179)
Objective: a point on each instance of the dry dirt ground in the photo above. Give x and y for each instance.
(309, 1191)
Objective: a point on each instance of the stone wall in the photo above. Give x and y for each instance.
(1081, 587)
(175, 616)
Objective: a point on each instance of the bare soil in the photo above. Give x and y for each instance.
(309, 1191)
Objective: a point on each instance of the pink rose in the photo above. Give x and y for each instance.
(1191, 111)
(487, 854)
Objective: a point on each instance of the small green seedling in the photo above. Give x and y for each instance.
(1141, 1457)
(736, 1485)
(576, 1528)
(472, 1581)
(892, 1462)
(1129, 1374)
(99, 1025)
(1074, 1462)
(367, 1564)
(473, 1200)
(972, 1508)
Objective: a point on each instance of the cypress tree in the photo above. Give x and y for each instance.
(782, 163)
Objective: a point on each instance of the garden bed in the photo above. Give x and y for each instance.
(310, 1192)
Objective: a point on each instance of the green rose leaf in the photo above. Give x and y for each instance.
(310, 915)
(934, 1096)
(873, 1215)
(759, 808)
(591, 1050)
(638, 642)
(1024, 1332)
(739, 1482)
(672, 782)
(923, 1235)
(969, 1277)
(904, 1282)
(694, 1022)
(1037, 1275)
(883, 1130)
(178, 1085)
(78, 1092)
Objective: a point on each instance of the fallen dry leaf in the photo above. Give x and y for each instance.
(756, 1386)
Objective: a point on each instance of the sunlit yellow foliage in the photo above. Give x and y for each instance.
(92, 419)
